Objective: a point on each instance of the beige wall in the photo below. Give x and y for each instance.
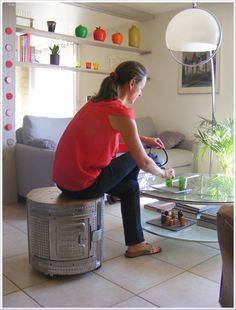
(161, 100)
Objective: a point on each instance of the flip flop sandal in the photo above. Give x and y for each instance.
(141, 252)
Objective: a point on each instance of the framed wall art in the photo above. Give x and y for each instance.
(197, 80)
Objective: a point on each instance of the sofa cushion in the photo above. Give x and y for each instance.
(43, 144)
(40, 127)
(146, 126)
(171, 138)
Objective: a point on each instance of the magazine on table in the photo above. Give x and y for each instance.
(210, 213)
(195, 207)
(159, 206)
(206, 224)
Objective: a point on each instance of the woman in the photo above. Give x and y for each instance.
(85, 164)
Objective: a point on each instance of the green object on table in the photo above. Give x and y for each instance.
(182, 183)
(169, 182)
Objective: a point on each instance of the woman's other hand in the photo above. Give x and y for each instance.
(152, 141)
(169, 173)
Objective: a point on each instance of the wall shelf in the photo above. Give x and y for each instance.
(58, 67)
(80, 41)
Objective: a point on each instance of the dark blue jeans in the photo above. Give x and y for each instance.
(119, 179)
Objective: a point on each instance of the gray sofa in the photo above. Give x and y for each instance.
(36, 141)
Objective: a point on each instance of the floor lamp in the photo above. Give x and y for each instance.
(195, 30)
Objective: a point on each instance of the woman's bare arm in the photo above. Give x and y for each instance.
(128, 129)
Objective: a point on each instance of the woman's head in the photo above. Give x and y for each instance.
(127, 80)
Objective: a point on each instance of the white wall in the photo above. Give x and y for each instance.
(68, 17)
(161, 100)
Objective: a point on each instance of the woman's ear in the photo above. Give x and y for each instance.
(132, 83)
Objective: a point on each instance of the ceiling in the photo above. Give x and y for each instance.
(139, 11)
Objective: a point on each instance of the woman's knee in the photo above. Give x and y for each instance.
(128, 159)
(131, 188)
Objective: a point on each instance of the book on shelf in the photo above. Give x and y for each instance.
(159, 206)
(198, 208)
(206, 224)
(210, 214)
(24, 47)
(208, 218)
(32, 54)
(194, 211)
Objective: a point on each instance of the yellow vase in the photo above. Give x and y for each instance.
(134, 36)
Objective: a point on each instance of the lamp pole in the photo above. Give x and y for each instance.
(213, 104)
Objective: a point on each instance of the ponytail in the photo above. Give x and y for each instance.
(125, 72)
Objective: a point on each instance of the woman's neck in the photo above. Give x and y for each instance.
(122, 95)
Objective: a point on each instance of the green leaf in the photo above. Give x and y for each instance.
(218, 137)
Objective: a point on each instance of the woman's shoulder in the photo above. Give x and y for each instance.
(119, 108)
(112, 107)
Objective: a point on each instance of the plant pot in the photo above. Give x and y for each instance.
(54, 59)
(51, 26)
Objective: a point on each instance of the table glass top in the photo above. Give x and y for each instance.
(200, 188)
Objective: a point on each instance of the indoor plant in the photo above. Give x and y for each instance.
(54, 57)
(219, 138)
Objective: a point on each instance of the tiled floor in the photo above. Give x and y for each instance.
(183, 275)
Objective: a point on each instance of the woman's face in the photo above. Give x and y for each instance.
(135, 90)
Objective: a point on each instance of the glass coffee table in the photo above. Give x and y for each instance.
(204, 189)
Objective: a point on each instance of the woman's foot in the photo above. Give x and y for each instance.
(140, 249)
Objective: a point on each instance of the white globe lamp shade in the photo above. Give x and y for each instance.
(193, 30)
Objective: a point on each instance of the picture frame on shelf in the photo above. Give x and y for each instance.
(197, 80)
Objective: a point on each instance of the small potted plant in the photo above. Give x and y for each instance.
(54, 57)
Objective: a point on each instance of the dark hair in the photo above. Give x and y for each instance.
(124, 72)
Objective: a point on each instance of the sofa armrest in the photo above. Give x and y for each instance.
(193, 147)
(19, 135)
(33, 168)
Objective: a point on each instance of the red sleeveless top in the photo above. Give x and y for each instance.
(88, 144)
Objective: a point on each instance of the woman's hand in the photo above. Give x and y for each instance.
(154, 142)
(169, 173)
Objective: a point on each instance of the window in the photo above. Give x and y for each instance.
(46, 92)
(51, 93)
